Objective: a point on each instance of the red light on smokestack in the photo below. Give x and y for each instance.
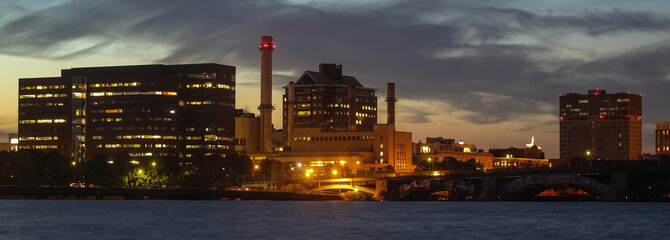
(267, 46)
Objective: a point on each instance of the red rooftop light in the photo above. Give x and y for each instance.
(602, 117)
(267, 46)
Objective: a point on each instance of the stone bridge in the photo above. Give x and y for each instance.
(534, 184)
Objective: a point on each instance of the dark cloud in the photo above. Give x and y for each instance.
(414, 116)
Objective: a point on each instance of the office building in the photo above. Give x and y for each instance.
(601, 126)
(145, 111)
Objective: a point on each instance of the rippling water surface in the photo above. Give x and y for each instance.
(99, 219)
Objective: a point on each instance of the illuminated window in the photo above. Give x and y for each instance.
(114, 111)
(210, 137)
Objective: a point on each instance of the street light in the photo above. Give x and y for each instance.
(334, 173)
(74, 171)
(153, 164)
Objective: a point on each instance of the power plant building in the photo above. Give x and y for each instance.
(329, 100)
(601, 126)
(145, 111)
(328, 118)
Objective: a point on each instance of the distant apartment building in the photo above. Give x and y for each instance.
(600, 125)
(662, 138)
(12, 143)
(329, 100)
(145, 111)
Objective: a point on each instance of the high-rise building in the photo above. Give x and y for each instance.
(601, 126)
(662, 138)
(329, 100)
(149, 110)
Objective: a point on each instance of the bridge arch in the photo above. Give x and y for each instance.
(544, 181)
(345, 186)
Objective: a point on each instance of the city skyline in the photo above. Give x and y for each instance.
(459, 75)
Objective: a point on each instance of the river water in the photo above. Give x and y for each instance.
(117, 219)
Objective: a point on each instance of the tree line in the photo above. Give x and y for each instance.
(35, 168)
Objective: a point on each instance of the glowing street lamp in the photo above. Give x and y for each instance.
(74, 171)
(334, 172)
(153, 164)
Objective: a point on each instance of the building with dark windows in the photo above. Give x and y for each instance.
(329, 100)
(601, 126)
(663, 138)
(145, 111)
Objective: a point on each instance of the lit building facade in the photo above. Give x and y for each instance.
(145, 111)
(247, 132)
(663, 138)
(383, 146)
(514, 157)
(438, 148)
(329, 100)
(601, 126)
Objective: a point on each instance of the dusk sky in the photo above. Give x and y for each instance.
(486, 72)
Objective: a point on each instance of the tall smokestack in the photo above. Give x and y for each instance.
(266, 107)
(390, 103)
